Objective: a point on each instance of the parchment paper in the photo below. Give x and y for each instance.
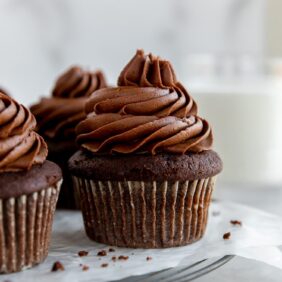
(257, 238)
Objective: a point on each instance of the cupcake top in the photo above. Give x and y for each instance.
(57, 116)
(149, 112)
(20, 146)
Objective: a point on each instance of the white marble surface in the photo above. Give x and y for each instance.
(239, 269)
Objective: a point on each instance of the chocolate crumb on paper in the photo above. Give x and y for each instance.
(83, 253)
(102, 253)
(226, 236)
(104, 265)
(114, 258)
(123, 258)
(236, 222)
(85, 267)
(149, 258)
(111, 250)
(57, 266)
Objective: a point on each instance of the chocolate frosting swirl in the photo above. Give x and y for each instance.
(148, 71)
(116, 133)
(57, 116)
(20, 146)
(77, 82)
(150, 111)
(140, 101)
(148, 85)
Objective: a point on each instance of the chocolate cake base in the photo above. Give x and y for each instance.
(145, 167)
(144, 201)
(14, 184)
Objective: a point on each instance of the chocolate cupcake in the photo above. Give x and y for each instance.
(145, 171)
(29, 189)
(57, 117)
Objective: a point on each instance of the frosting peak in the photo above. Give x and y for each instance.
(57, 116)
(77, 82)
(20, 146)
(147, 85)
(148, 71)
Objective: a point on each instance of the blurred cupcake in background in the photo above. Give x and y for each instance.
(57, 117)
(146, 169)
(29, 189)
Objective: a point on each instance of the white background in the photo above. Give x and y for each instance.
(39, 39)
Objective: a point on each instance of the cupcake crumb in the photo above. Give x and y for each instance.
(85, 268)
(83, 253)
(226, 236)
(111, 250)
(149, 258)
(102, 253)
(57, 266)
(104, 265)
(236, 222)
(114, 258)
(123, 258)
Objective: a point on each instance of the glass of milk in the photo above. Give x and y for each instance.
(246, 117)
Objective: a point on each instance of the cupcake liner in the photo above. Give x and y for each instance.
(25, 228)
(141, 214)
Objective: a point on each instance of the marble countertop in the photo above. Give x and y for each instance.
(240, 269)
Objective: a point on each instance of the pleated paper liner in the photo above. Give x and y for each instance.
(139, 214)
(25, 228)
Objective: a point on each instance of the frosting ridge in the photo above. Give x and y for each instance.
(125, 134)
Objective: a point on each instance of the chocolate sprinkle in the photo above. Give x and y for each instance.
(104, 265)
(83, 253)
(57, 266)
(149, 258)
(236, 222)
(111, 250)
(227, 236)
(102, 253)
(85, 267)
(123, 257)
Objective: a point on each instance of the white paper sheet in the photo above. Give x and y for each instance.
(257, 238)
